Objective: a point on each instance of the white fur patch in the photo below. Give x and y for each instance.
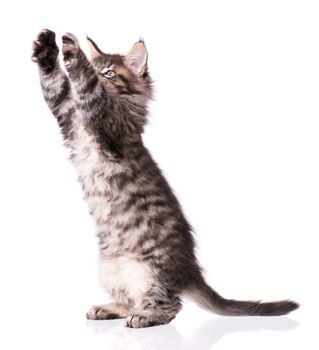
(125, 275)
(93, 169)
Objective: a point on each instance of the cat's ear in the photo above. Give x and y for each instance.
(94, 49)
(136, 59)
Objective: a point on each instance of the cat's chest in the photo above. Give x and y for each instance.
(105, 198)
(94, 169)
(95, 172)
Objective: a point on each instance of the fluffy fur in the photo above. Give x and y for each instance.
(146, 245)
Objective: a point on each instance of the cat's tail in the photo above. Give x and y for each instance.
(210, 300)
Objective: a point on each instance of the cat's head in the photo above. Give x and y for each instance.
(123, 74)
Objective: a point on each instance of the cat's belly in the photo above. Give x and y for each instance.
(125, 278)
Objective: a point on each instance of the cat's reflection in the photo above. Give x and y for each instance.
(166, 337)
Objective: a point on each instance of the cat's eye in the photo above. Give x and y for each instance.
(109, 73)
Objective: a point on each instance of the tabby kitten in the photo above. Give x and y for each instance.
(146, 245)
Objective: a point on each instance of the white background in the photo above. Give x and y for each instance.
(235, 128)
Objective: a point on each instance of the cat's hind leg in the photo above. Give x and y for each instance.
(107, 312)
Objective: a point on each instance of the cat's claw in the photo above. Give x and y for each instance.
(37, 43)
(45, 50)
(70, 50)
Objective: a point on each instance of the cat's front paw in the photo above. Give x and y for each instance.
(70, 50)
(45, 50)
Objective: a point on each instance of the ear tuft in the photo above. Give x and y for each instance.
(136, 59)
(94, 49)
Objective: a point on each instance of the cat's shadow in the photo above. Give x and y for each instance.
(168, 338)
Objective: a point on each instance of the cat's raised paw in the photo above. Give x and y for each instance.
(102, 313)
(45, 50)
(70, 50)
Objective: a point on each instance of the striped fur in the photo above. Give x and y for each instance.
(146, 245)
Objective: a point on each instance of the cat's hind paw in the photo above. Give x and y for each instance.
(140, 320)
(100, 312)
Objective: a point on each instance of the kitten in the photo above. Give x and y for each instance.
(146, 245)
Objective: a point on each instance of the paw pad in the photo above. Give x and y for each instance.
(70, 49)
(45, 50)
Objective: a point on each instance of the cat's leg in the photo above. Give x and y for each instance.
(99, 110)
(90, 95)
(153, 313)
(89, 92)
(55, 84)
(108, 312)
